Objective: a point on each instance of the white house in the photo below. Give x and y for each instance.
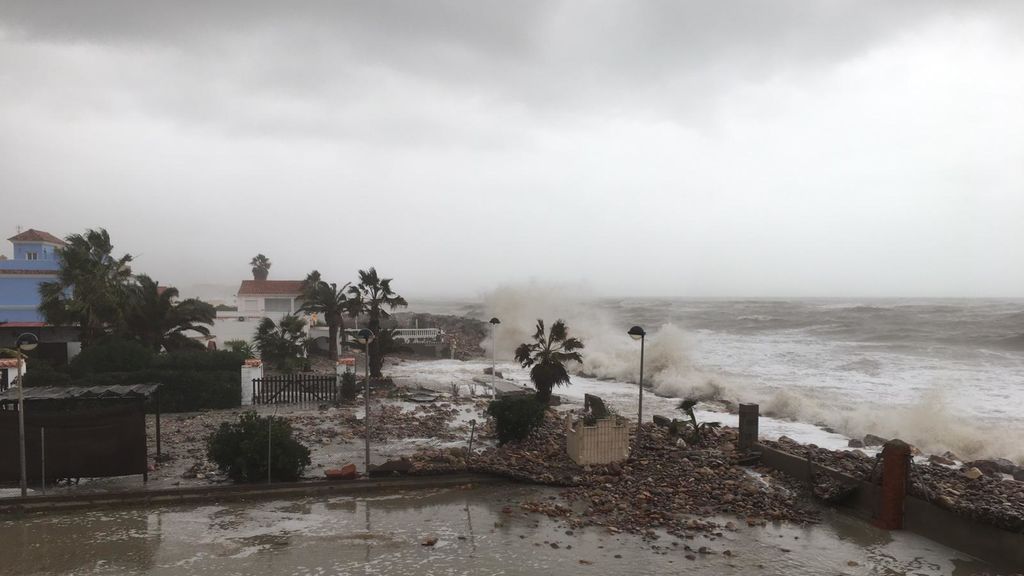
(269, 298)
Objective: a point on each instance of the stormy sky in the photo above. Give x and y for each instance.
(761, 148)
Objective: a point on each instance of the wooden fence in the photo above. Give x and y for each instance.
(295, 389)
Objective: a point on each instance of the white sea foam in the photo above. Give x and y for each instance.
(885, 369)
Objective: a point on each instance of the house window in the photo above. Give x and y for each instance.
(278, 305)
(31, 255)
(251, 305)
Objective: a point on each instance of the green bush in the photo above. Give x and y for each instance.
(111, 355)
(44, 374)
(181, 390)
(240, 449)
(204, 360)
(349, 388)
(515, 417)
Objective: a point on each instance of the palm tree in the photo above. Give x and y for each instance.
(370, 297)
(241, 346)
(156, 319)
(547, 354)
(280, 344)
(91, 287)
(331, 302)
(260, 267)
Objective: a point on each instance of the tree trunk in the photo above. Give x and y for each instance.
(332, 335)
(375, 360)
(543, 393)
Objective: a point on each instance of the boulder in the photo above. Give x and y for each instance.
(973, 473)
(935, 459)
(872, 440)
(991, 467)
(854, 443)
(399, 467)
(661, 421)
(346, 472)
(1018, 474)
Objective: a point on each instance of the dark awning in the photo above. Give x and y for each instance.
(140, 391)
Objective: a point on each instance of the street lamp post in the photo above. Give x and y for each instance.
(25, 343)
(365, 336)
(494, 361)
(637, 333)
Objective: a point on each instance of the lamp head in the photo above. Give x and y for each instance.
(365, 336)
(27, 342)
(637, 332)
(495, 321)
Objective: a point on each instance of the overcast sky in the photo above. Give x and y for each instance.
(761, 148)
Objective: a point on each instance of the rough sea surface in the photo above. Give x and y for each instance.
(942, 374)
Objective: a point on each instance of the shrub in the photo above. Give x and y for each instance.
(191, 390)
(111, 355)
(349, 388)
(204, 360)
(240, 449)
(241, 346)
(44, 374)
(516, 417)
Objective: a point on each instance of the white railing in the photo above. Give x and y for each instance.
(411, 335)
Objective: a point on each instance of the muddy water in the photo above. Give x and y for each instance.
(384, 535)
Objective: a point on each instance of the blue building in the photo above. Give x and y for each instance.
(34, 261)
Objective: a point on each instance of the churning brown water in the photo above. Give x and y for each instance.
(384, 535)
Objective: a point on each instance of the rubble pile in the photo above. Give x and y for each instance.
(392, 422)
(662, 487)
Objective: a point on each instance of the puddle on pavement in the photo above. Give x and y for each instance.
(384, 535)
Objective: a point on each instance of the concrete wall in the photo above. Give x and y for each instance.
(605, 442)
(990, 543)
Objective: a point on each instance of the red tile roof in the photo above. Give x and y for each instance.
(270, 287)
(33, 235)
(23, 324)
(8, 362)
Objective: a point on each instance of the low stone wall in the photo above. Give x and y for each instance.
(965, 534)
(603, 443)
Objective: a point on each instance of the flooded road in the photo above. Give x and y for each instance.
(473, 531)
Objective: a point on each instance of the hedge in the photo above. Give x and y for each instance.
(191, 380)
(111, 355)
(181, 390)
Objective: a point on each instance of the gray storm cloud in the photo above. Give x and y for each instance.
(658, 148)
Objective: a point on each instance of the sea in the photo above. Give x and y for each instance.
(942, 374)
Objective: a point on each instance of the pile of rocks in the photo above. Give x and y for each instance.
(663, 486)
(392, 422)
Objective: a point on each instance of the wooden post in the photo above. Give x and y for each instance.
(157, 394)
(42, 457)
(749, 414)
(895, 477)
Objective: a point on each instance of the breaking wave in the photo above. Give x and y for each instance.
(609, 353)
(931, 422)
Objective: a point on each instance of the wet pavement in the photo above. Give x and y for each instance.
(478, 530)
